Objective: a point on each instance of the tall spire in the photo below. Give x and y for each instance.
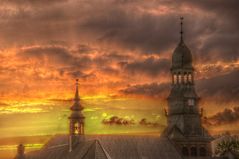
(76, 119)
(181, 31)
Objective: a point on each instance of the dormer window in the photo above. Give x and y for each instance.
(191, 102)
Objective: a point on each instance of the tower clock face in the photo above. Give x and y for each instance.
(191, 102)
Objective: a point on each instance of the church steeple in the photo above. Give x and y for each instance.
(182, 69)
(76, 118)
(20, 152)
(183, 116)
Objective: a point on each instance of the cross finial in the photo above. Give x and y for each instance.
(181, 31)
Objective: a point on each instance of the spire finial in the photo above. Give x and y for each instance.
(77, 93)
(181, 31)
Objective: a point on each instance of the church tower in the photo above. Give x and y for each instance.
(76, 120)
(184, 117)
(20, 152)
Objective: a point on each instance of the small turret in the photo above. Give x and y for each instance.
(20, 152)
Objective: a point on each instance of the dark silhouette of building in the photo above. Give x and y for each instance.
(184, 118)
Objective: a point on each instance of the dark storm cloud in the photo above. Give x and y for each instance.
(225, 8)
(55, 53)
(110, 71)
(32, 2)
(208, 36)
(222, 43)
(25, 25)
(116, 56)
(84, 49)
(227, 116)
(115, 120)
(72, 63)
(224, 88)
(150, 66)
(144, 32)
(127, 24)
(60, 58)
(210, 27)
(79, 74)
(152, 89)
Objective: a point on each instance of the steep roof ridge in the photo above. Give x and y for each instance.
(57, 146)
(104, 151)
(88, 150)
(172, 143)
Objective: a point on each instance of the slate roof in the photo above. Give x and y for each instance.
(108, 147)
(182, 57)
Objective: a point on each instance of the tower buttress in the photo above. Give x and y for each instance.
(76, 127)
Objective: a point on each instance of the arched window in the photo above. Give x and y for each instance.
(179, 79)
(76, 128)
(202, 151)
(185, 78)
(191, 102)
(185, 151)
(193, 151)
(174, 79)
(190, 78)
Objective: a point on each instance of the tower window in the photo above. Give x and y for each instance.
(185, 151)
(76, 128)
(185, 78)
(175, 78)
(202, 151)
(190, 78)
(193, 151)
(179, 79)
(191, 102)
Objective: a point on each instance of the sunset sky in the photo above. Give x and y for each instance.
(120, 50)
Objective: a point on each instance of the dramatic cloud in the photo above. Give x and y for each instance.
(227, 116)
(115, 120)
(150, 66)
(144, 122)
(221, 88)
(224, 88)
(153, 90)
(54, 54)
(116, 48)
(149, 27)
(32, 2)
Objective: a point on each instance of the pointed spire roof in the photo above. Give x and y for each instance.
(77, 106)
(182, 57)
(77, 91)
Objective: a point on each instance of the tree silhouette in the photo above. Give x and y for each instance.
(226, 146)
